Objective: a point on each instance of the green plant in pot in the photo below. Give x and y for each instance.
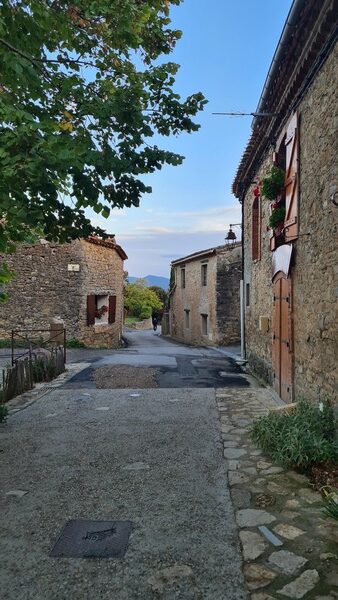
(273, 183)
(277, 216)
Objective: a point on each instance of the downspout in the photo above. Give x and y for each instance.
(242, 292)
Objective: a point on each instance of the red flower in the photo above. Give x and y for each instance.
(256, 192)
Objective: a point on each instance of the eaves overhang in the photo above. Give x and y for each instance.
(309, 33)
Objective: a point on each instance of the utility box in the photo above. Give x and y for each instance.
(264, 324)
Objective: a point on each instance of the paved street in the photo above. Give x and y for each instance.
(152, 457)
(177, 365)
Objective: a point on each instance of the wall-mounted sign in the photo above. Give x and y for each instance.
(73, 268)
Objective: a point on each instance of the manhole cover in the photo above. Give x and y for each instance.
(93, 539)
(264, 500)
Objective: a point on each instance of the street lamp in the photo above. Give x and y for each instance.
(231, 236)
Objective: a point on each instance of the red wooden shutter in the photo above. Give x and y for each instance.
(112, 309)
(91, 309)
(291, 180)
(256, 229)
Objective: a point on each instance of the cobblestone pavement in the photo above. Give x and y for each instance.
(289, 548)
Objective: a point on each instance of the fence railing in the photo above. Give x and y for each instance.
(34, 358)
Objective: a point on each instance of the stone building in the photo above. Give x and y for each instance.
(290, 271)
(80, 283)
(204, 300)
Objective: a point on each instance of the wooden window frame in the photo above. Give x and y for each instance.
(256, 229)
(204, 320)
(204, 274)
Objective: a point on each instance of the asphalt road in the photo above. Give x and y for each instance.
(152, 457)
(177, 365)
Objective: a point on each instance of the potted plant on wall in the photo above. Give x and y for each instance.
(273, 183)
(101, 311)
(276, 220)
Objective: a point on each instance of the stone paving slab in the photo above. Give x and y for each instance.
(290, 549)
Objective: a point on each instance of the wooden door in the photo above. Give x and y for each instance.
(282, 346)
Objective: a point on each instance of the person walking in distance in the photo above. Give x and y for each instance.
(155, 322)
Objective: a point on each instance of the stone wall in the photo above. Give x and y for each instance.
(103, 270)
(314, 274)
(44, 289)
(257, 285)
(144, 325)
(197, 299)
(229, 274)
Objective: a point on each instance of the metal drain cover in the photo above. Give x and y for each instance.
(93, 539)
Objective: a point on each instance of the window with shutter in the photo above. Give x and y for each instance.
(91, 308)
(291, 180)
(112, 309)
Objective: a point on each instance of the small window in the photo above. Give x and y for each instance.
(183, 278)
(187, 319)
(204, 274)
(204, 324)
(256, 229)
(101, 310)
(98, 309)
(247, 294)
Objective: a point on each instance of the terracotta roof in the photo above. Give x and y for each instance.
(107, 243)
(308, 36)
(204, 253)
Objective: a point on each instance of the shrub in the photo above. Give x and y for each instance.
(44, 369)
(39, 369)
(3, 408)
(146, 312)
(299, 438)
(330, 502)
(273, 183)
(74, 343)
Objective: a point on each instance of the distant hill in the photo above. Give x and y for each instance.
(162, 282)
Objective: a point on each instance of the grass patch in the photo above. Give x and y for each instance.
(131, 320)
(7, 343)
(301, 438)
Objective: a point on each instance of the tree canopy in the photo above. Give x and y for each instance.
(141, 301)
(160, 293)
(82, 92)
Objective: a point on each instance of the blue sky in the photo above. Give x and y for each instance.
(225, 52)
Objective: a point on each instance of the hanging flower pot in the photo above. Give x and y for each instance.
(277, 216)
(273, 183)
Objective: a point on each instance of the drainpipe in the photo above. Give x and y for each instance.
(242, 291)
